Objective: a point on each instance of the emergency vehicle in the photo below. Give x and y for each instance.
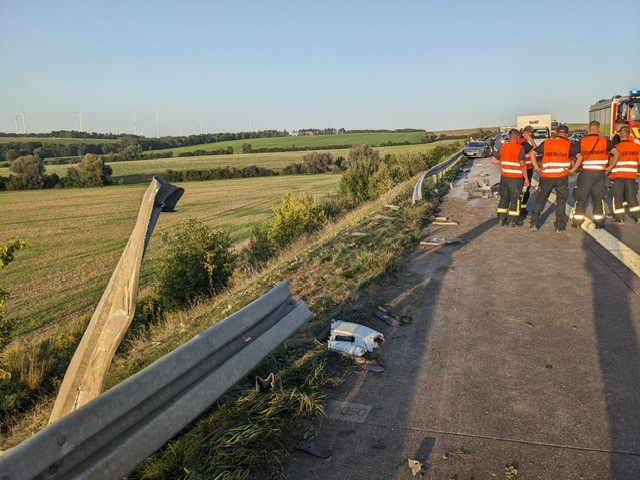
(618, 108)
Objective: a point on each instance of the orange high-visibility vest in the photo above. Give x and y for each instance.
(509, 159)
(528, 163)
(556, 161)
(627, 166)
(594, 153)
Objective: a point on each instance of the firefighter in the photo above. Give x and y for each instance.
(527, 141)
(511, 158)
(595, 152)
(623, 178)
(554, 175)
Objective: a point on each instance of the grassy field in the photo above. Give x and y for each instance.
(75, 237)
(143, 170)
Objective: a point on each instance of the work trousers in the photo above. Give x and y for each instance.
(624, 192)
(590, 184)
(510, 191)
(525, 194)
(561, 187)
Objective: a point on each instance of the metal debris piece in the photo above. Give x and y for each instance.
(391, 311)
(415, 466)
(365, 339)
(393, 207)
(437, 241)
(388, 319)
(312, 448)
(265, 384)
(368, 364)
(357, 234)
(448, 222)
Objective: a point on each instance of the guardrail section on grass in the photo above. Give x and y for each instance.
(436, 173)
(111, 435)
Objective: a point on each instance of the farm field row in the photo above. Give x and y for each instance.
(142, 170)
(75, 237)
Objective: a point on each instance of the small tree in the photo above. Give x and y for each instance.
(31, 173)
(90, 172)
(298, 214)
(196, 262)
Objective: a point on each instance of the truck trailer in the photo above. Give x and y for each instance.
(541, 125)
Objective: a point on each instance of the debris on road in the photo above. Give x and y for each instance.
(443, 221)
(386, 313)
(415, 466)
(312, 448)
(368, 364)
(350, 338)
(437, 241)
(474, 189)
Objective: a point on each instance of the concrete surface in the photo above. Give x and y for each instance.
(523, 352)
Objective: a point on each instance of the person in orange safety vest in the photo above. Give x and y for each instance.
(623, 178)
(511, 158)
(527, 141)
(556, 167)
(595, 152)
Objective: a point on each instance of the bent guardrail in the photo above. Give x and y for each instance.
(111, 435)
(436, 173)
(88, 369)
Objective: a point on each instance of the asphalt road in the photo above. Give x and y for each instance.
(523, 354)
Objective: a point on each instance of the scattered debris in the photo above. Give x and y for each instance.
(510, 471)
(386, 313)
(265, 384)
(393, 207)
(437, 241)
(474, 189)
(416, 467)
(440, 222)
(357, 234)
(368, 364)
(353, 339)
(312, 448)
(482, 174)
(456, 454)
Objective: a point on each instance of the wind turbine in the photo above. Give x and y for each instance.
(24, 124)
(250, 115)
(200, 127)
(135, 126)
(157, 117)
(79, 116)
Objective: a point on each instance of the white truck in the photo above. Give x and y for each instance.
(541, 125)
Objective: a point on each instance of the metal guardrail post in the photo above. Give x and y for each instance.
(87, 371)
(109, 436)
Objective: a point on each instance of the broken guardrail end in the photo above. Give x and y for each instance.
(368, 364)
(312, 448)
(349, 338)
(437, 241)
(265, 384)
(415, 466)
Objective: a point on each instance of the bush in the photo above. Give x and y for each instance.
(298, 214)
(90, 172)
(260, 249)
(196, 262)
(31, 173)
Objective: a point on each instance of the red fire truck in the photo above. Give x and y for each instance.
(618, 108)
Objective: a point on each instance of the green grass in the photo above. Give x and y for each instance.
(142, 170)
(75, 236)
(307, 141)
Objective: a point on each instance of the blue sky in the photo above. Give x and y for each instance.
(298, 64)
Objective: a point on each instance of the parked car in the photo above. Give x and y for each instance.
(477, 150)
(576, 136)
(500, 139)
